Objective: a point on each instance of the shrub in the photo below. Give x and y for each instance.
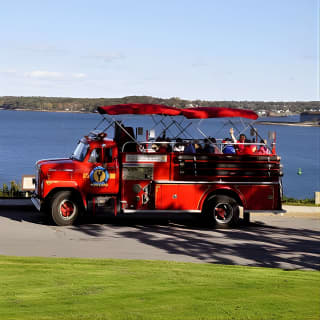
(14, 191)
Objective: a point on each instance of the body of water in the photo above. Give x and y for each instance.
(27, 136)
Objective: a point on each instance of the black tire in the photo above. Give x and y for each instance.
(222, 211)
(65, 208)
(246, 218)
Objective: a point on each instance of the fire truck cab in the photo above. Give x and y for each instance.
(126, 176)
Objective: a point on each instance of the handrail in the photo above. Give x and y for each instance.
(185, 142)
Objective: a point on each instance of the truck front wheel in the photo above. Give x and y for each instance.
(222, 210)
(65, 208)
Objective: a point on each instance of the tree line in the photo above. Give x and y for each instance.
(91, 104)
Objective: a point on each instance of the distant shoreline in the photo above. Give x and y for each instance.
(279, 123)
(53, 111)
(288, 123)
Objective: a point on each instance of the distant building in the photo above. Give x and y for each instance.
(7, 106)
(262, 113)
(309, 116)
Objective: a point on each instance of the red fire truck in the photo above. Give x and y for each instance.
(125, 175)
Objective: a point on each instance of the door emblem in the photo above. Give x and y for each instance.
(99, 177)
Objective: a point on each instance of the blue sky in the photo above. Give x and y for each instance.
(209, 50)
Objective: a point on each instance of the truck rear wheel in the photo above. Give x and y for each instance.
(65, 208)
(223, 211)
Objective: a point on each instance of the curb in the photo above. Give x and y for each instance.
(301, 209)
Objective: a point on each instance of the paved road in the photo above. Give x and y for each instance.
(290, 241)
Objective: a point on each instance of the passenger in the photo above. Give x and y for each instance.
(155, 147)
(179, 146)
(228, 147)
(240, 146)
(198, 147)
(217, 150)
(190, 148)
(159, 146)
(168, 145)
(163, 148)
(142, 147)
(263, 148)
(210, 146)
(244, 145)
(249, 147)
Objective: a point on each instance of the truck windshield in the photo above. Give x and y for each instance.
(80, 151)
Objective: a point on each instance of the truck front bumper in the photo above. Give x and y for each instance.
(36, 202)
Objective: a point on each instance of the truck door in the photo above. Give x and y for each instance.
(104, 174)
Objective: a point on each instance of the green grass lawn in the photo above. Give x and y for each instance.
(299, 202)
(52, 288)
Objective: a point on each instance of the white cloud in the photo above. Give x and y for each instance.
(53, 75)
(9, 71)
(39, 74)
(79, 75)
(9, 74)
(44, 50)
(199, 65)
(107, 57)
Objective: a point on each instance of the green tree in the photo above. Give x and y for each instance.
(14, 189)
(5, 190)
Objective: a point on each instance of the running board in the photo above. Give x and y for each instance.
(160, 211)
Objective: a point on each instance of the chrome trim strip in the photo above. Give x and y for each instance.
(214, 182)
(53, 159)
(159, 211)
(135, 165)
(66, 170)
(146, 157)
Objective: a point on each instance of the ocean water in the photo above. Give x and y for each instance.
(27, 136)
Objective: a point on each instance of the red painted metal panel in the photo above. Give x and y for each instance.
(190, 113)
(259, 197)
(178, 196)
(215, 112)
(139, 108)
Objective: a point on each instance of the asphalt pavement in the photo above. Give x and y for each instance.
(288, 241)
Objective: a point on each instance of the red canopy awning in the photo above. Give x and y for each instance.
(190, 113)
(139, 108)
(215, 112)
